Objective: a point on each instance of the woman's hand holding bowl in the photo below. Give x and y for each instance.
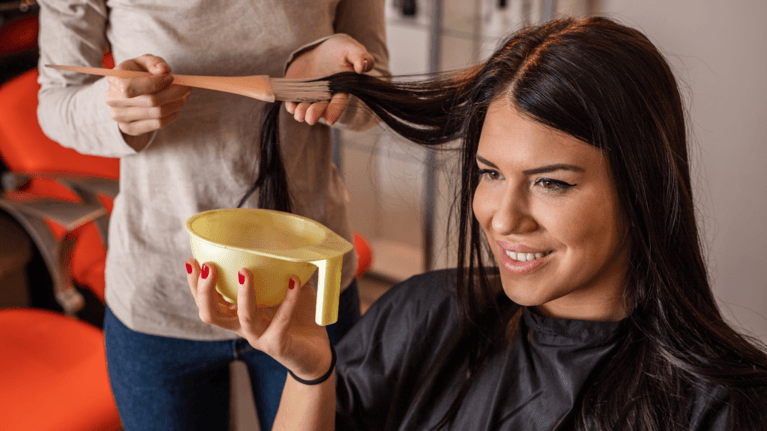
(286, 332)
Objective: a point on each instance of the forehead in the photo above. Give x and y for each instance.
(509, 135)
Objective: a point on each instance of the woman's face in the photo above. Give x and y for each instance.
(550, 211)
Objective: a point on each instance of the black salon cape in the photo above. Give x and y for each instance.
(532, 385)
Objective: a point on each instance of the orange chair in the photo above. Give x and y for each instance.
(60, 196)
(364, 254)
(19, 35)
(54, 375)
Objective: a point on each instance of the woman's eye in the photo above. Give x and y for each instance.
(488, 174)
(553, 185)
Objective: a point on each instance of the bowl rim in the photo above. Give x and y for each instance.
(333, 245)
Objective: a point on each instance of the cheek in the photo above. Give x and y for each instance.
(591, 227)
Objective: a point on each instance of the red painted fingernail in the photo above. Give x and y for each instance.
(291, 284)
(188, 268)
(205, 272)
(241, 277)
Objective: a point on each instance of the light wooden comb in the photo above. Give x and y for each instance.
(260, 87)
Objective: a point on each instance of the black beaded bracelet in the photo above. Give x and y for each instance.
(321, 379)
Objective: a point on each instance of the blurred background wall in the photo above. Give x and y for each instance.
(717, 50)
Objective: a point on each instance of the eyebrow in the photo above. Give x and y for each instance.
(541, 170)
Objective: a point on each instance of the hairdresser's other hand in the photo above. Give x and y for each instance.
(340, 53)
(286, 332)
(145, 104)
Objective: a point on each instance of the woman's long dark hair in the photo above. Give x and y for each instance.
(607, 85)
(271, 182)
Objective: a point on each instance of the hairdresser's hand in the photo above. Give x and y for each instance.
(143, 105)
(286, 332)
(340, 53)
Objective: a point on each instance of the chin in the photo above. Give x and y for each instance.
(522, 296)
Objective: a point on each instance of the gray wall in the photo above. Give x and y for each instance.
(719, 51)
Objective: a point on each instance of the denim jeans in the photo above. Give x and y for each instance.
(163, 383)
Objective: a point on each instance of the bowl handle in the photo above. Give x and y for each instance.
(328, 289)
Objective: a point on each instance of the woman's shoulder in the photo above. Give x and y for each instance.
(424, 297)
(423, 290)
(385, 355)
(410, 309)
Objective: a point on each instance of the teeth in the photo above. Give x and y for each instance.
(524, 257)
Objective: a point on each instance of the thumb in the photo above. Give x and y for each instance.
(152, 64)
(360, 59)
(364, 64)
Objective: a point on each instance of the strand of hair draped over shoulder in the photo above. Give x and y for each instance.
(609, 86)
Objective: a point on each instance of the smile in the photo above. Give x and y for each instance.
(523, 261)
(524, 257)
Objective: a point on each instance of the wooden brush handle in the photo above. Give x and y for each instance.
(255, 86)
(101, 71)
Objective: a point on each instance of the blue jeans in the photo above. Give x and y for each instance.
(163, 383)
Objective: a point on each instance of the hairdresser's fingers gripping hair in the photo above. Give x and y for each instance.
(336, 107)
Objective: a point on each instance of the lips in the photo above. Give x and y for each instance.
(521, 259)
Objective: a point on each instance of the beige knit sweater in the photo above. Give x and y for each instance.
(207, 158)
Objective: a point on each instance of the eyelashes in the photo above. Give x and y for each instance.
(547, 184)
(550, 184)
(488, 174)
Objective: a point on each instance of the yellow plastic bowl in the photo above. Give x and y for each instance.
(274, 246)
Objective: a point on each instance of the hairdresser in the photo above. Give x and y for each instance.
(185, 150)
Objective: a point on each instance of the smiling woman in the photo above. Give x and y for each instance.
(595, 311)
(550, 212)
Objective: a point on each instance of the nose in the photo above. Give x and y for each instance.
(513, 215)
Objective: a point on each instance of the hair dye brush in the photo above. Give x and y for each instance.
(260, 87)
